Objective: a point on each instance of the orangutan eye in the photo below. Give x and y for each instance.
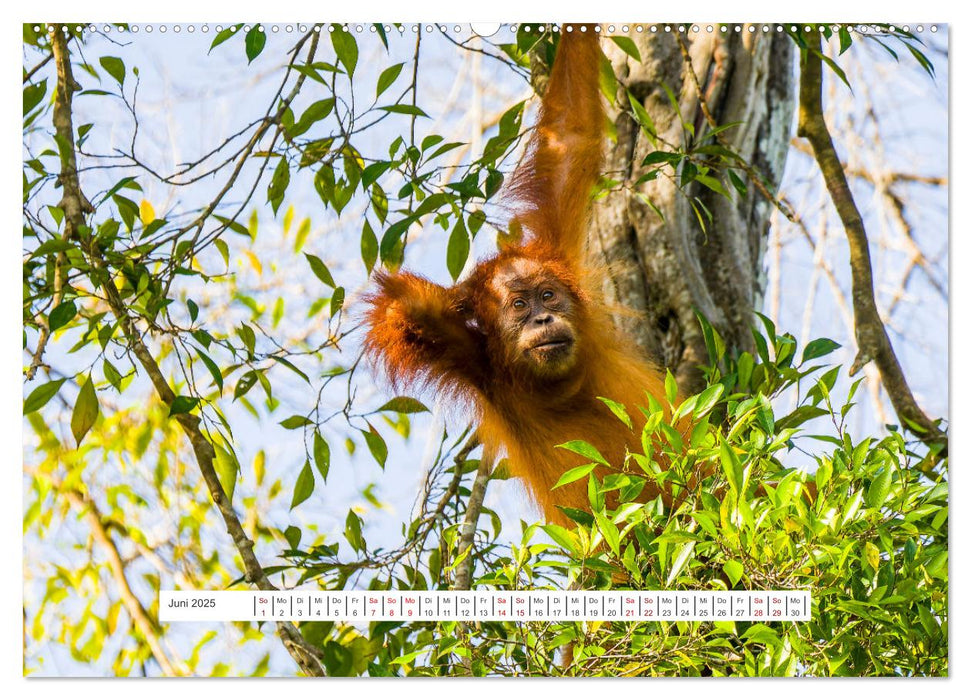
(547, 295)
(519, 304)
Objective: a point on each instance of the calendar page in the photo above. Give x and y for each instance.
(546, 349)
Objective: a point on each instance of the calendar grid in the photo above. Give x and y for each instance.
(374, 606)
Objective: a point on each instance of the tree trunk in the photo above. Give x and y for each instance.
(664, 269)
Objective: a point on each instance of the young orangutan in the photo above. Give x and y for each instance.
(526, 339)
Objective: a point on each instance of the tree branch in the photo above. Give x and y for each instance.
(463, 572)
(146, 625)
(75, 206)
(872, 340)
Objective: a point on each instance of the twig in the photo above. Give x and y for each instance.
(30, 74)
(754, 176)
(872, 340)
(146, 625)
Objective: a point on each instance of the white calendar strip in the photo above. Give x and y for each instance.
(374, 606)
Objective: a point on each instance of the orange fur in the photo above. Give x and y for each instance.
(446, 337)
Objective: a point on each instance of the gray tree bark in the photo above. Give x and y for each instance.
(664, 269)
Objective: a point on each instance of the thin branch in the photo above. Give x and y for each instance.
(30, 74)
(146, 625)
(463, 572)
(753, 175)
(873, 343)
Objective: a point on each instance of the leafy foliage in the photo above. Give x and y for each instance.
(240, 300)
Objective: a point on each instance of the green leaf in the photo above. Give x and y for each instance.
(876, 494)
(33, 94)
(352, 531)
(224, 35)
(369, 246)
(62, 315)
(376, 444)
(619, 410)
(731, 465)
(182, 404)
(574, 474)
(818, 348)
(563, 537)
(255, 41)
(85, 411)
(405, 109)
(734, 570)
(115, 68)
(345, 46)
(313, 114)
(846, 39)
(683, 557)
(321, 455)
(670, 388)
(112, 375)
(823, 473)
(707, 399)
(248, 336)
(304, 486)
(387, 78)
(320, 270)
(609, 531)
(213, 368)
(642, 117)
(584, 449)
(628, 46)
(292, 535)
(295, 422)
(458, 250)
(227, 469)
(337, 301)
(404, 404)
(39, 397)
(278, 184)
(244, 384)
